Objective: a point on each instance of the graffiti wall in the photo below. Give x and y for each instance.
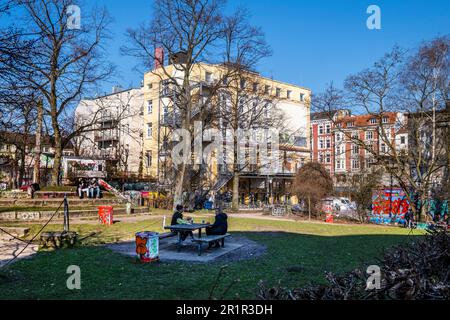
(389, 206)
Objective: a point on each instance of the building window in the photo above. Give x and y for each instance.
(355, 164)
(350, 124)
(321, 144)
(242, 83)
(338, 137)
(373, 121)
(355, 149)
(328, 158)
(288, 94)
(402, 140)
(328, 128)
(370, 162)
(328, 143)
(302, 97)
(150, 85)
(208, 76)
(255, 86)
(148, 159)
(321, 129)
(385, 119)
(369, 135)
(149, 130)
(266, 89)
(149, 106)
(278, 92)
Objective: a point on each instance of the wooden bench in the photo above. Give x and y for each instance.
(209, 240)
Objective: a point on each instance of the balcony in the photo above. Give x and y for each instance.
(106, 136)
(107, 117)
(171, 120)
(168, 91)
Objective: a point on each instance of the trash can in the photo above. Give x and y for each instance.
(147, 246)
(128, 208)
(105, 214)
(208, 205)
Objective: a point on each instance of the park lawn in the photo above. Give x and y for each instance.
(297, 253)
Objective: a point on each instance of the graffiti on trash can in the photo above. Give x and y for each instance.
(141, 246)
(147, 246)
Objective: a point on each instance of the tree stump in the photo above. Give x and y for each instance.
(57, 240)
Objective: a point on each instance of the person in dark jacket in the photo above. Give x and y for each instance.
(178, 214)
(409, 219)
(177, 218)
(219, 227)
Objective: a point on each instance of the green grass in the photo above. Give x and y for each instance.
(297, 253)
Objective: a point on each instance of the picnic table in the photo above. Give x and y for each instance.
(178, 228)
(199, 240)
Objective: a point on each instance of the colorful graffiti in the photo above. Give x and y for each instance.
(389, 206)
(147, 246)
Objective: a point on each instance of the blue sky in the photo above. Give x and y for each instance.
(314, 42)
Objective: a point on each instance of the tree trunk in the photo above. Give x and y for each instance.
(309, 207)
(37, 154)
(58, 152)
(235, 200)
(180, 179)
(423, 207)
(21, 168)
(179, 186)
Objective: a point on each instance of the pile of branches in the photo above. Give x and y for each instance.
(416, 271)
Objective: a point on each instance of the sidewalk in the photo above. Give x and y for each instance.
(9, 248)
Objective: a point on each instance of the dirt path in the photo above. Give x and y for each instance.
(10, 248)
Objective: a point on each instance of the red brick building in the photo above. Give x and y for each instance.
(322, 137)
(333, 144)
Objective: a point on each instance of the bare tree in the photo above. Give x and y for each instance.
(66, 62)
(191, 32)
(312, 183)
(362, 185)
(417, 86)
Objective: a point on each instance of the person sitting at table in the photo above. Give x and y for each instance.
(177, 219)
(219, 227)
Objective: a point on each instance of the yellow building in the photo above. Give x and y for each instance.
(292, 102)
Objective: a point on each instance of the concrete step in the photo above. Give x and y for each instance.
(57, 202)
(61, 194)
(54, 194)
(28, 216)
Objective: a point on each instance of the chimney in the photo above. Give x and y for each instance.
(159, 58)
(117, 89)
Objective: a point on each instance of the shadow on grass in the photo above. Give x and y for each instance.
(293, 259)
